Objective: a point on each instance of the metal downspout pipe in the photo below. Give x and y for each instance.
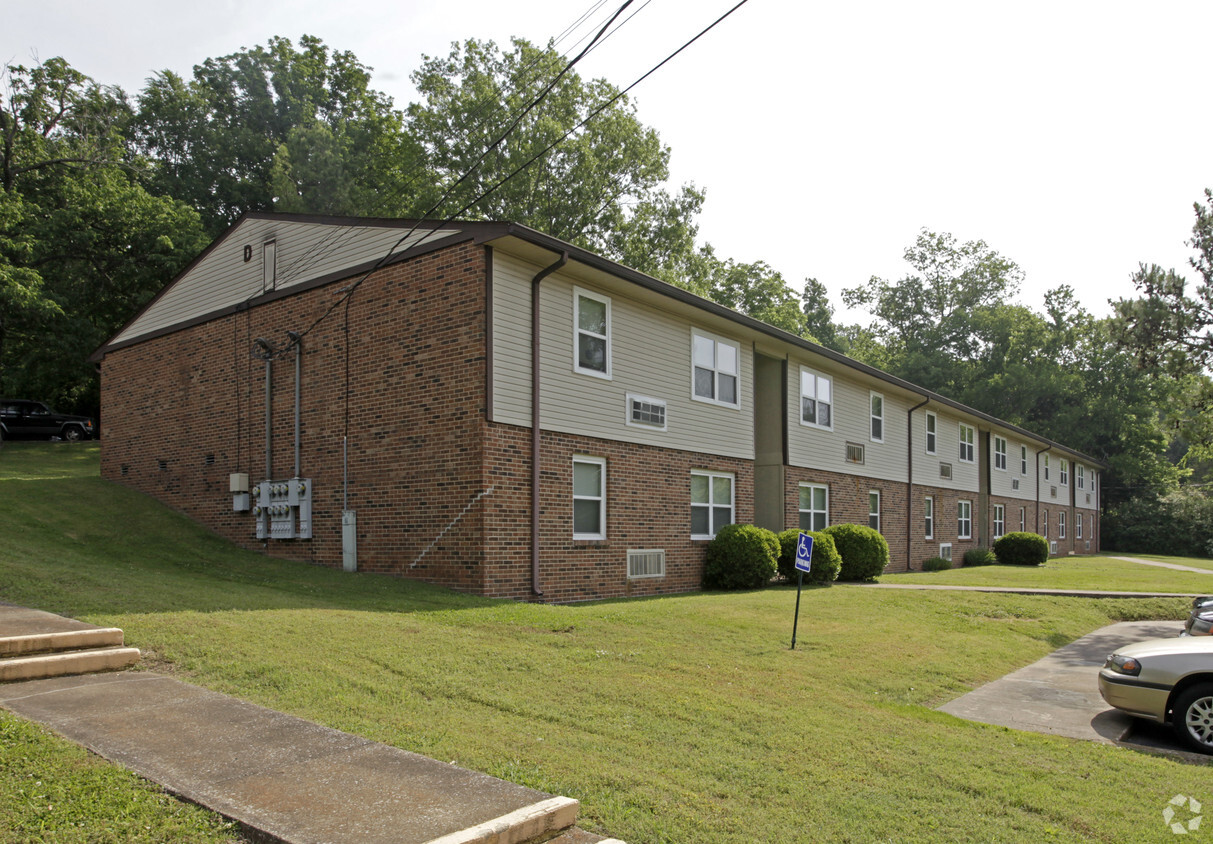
(535, 439)
(910, 478)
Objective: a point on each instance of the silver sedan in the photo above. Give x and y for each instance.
(1165, 680)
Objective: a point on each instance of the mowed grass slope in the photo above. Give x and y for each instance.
(681, 719)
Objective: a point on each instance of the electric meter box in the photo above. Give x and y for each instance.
(284, 509)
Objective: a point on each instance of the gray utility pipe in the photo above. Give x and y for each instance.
(297, 339)
(535, 439)
(268, 357)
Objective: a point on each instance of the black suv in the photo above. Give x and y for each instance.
(21, 418)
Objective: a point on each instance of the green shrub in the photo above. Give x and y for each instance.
(863, 550)
(1022, 549)
(980, 557)
(741, 557)
(936, 564)
(826, 560)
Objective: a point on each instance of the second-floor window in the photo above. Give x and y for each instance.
(717, 367)
(932, 425)
(816, 400)
(967, 438)
(1000, 453)
(1065, 472)
(877, 401)
(593, 333)
(1078, 475)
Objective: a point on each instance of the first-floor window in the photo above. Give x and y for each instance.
(928, 511)
(589, 498)
(1078, 526)
(814, 507)
(1023, 519)
(1045, 520)
(711, 503)
(964, 520)
(1000, 520)
(1061, 524)
(874, 510)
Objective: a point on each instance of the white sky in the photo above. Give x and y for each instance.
(1073, 137)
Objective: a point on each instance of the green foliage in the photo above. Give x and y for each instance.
(864, 552)
(277, 127)
(826, 561)
(741, 557)
(936, 564)
(980, 557)
(1178, 523)
(1021, 549)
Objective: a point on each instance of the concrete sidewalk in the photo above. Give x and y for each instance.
(1059, 694)
(286, 778)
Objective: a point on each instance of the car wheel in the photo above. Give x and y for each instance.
(1193, 719)
(73, 434)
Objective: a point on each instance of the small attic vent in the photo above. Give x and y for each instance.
(269, 266)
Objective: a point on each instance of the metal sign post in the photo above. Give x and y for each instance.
(804, 562)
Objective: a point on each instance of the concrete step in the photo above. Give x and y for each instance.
(88, 661)
(63, 640)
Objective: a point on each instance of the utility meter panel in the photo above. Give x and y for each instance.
(284, 509)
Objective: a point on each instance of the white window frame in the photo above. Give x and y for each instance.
(717, 343)
(876, 420)
(874, 515)
(1000, 520)
(968, 444)
(1023, 460)
(1045, 521)
(928, 514)
(601, 498)
(1000, 453)
(945, 551)
(579, 294)
(1023, 519)
(711, 504)
(1063, 472)
(1079, 476)
(1078, 525)
(816, 379)
(964, 519)
(931, 427)
(811, 511)
(1046, 467)
(1061, 524)
(627, 410)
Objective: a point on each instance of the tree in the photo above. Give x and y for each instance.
(1170, 332)
(601, 188)
(819, 315)
(82, 243)
(277, 127)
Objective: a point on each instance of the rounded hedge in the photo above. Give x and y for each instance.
(863, 550)
(741, 557)
(1022, 549)
(826, 561)
(980, 557)
(936, 564)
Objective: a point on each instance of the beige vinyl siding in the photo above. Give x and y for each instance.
(1047, 497)
(650, 352)
(947, 450)
(303, 251)
(818, 448)
(1001, 482)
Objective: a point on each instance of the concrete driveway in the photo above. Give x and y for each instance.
(1059, 694)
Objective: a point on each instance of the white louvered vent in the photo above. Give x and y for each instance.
(945, 471)
(854, 453)
(648, 562)
(1053, 492)
(1015, 483)
(1053, 547)
(1088, 498)
(1088, 545)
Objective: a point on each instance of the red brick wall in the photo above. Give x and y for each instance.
(416, 409)
(849, 505)
(648, 507)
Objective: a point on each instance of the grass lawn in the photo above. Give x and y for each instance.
(1074, 573)
(681, 719)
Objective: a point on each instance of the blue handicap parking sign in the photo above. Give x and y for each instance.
(804, 552)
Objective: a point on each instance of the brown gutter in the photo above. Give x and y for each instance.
(910, 476)
(540, 276)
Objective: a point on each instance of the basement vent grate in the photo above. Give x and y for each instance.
(210, 460)
(1053, 547)
(649, 562)
(161, 465)
(125, 468)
